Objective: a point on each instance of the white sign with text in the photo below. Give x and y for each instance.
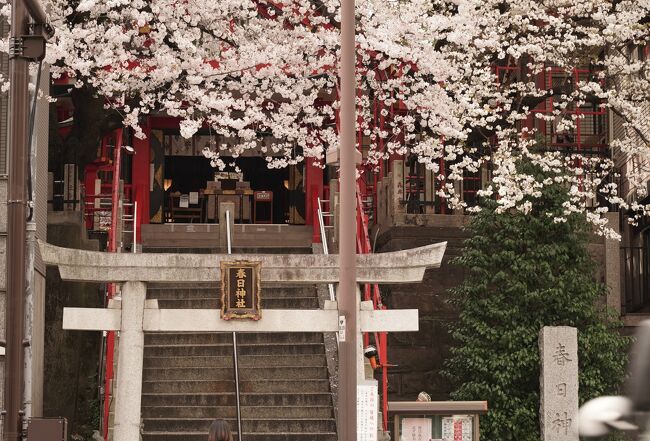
(367, 407)
(416, 429)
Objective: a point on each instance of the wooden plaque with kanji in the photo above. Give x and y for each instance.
(240, 290)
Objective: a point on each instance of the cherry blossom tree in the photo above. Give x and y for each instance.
(453, 81)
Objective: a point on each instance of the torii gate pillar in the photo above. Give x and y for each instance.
(129, 387)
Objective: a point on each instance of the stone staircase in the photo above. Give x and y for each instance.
(205, 238)
(189, 379)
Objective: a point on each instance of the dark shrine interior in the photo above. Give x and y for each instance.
(190, 173)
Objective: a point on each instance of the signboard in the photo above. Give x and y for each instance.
(263, 195)
(367, 408)
(240, 290)
(457, 428)
(417, 429)
(47, 429)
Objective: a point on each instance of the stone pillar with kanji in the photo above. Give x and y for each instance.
(558, 346)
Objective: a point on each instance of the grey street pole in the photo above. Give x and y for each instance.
(16, 225)
(347, 230)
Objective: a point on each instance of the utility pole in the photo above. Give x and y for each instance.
(347, 295)
(16, 224)
(23, 47)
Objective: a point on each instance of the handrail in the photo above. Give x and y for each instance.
(235, 360)
(321, 223)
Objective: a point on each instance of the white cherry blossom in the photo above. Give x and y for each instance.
(464, 83)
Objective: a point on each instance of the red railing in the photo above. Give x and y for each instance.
(101, 204)
(371, 292)
(105, 168)
(112, 190)
(103, 195)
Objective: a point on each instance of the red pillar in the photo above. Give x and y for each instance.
(141, 178)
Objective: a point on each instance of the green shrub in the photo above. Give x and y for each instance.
(523, 272)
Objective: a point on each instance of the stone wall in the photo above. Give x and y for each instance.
(419, 355)
(71, 357)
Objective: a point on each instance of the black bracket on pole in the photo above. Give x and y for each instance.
(31, 47)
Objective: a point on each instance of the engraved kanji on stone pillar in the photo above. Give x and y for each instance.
(558, 346)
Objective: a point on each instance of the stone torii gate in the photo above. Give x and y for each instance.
(134, 314)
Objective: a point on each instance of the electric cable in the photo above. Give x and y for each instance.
(30, 136)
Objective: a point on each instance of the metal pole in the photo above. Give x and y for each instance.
(100, 377)
(347, 220)
(38, 15)
(235, 360)
(16, 227)
(115, 193)
(135, 227)
(228, 231)
(235, 363)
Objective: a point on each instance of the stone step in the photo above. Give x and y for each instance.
(215, 303)
(224, 373)
(188, 377)
(217, 399)
(252, 386)
(203, 436)
(192, 338)
(283, 348)
(238, 248)
(305, 360)
(205, 238)
(282, 412)
(261, 425)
